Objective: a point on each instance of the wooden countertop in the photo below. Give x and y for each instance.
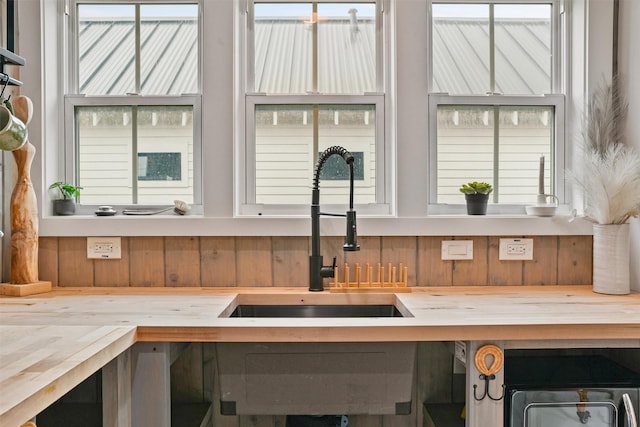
(39, 364)
(51, 342)
(439, 314)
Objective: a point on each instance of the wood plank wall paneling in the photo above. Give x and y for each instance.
(147, 259)
(182, 261)
(74, 268)
(48, 259)
(253, 261)
(543, 269)
(575, 260)
(114, 272)
(283, 261)
(473, 272)
(218, 261)
(290, 261)
(432, 270)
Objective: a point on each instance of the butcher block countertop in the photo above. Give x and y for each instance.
(438, 313)
(50, 342)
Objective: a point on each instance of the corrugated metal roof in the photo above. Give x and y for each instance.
(168, 52)
(522, 56)
(283, 56)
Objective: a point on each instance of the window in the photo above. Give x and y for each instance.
(132, 109)
(495, 103)
(159, 166)
(314, 80)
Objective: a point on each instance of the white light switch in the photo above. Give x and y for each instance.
(457, 249)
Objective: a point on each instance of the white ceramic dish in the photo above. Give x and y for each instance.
(541, 210)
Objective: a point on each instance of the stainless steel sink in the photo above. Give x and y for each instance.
(302, 378)
(316, 310)
(313, 305)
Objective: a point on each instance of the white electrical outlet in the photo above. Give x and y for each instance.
(516, 249)
(104, 247)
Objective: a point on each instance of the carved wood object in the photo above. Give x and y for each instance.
(24, 218)
(24, 208)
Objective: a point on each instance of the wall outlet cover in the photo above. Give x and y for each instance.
(516, 249)
(104, 248)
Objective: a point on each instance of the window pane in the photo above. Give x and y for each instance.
(526, 133)
(106, 49)
(344, 48)
(164, 154)
(461, 48)
(523, 49)
(469, 148)
(285, 159)
(283, 45)
(169, 49)
(168, 62)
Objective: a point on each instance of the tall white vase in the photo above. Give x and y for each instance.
(611, 259)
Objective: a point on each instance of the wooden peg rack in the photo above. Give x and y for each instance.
(394, 279)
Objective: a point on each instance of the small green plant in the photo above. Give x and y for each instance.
(67, 191)
(476, 188)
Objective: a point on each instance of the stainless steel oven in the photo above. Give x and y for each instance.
(554, 391)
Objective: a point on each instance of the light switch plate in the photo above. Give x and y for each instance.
(104, 248)
(457, 249)
(516, 249)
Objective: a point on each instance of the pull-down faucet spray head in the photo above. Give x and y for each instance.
(316, 270)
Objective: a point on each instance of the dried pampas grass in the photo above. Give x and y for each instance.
(611, 184)
(609, 171)
(605, 116)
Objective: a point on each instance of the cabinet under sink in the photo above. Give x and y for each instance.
(316, 378)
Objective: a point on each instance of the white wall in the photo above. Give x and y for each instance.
(629, 67)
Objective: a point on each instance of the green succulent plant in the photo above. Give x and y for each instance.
(476, 187)
(67, 191)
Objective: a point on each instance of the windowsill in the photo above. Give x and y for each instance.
(197, 225)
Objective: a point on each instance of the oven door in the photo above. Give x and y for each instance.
(572, 407)
(570, 414)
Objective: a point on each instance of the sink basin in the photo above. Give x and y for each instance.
(307, 378)
(317, 310)
(315, 305)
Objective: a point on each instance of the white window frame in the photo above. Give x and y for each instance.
(245, 192)
(555, 100)
(70, 155)
(74, 99)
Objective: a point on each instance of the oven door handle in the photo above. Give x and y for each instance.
(630, 413)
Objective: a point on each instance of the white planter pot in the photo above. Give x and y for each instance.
(611, 259)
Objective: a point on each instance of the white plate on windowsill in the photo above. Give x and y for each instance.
(541, 210)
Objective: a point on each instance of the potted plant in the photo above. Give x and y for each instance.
(65, 204)
(477, 196)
